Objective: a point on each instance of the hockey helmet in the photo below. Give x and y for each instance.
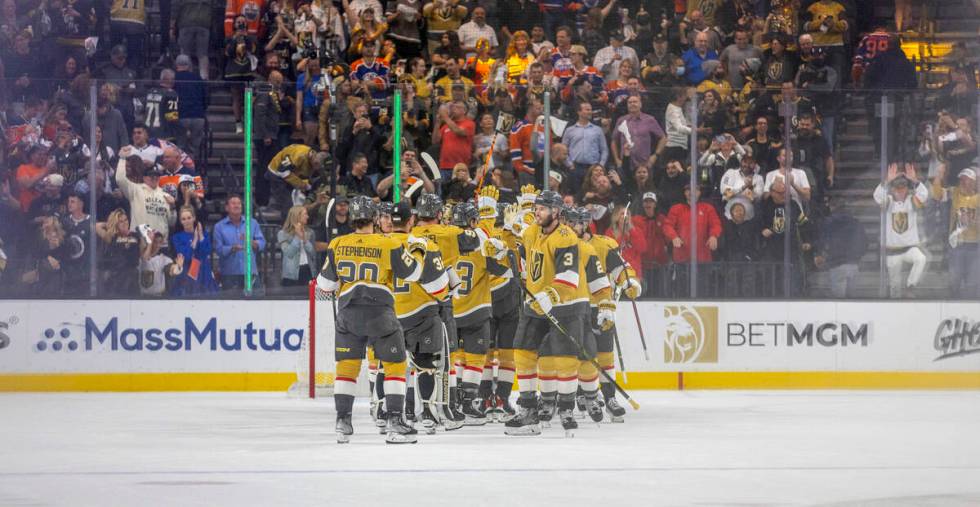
(428, 206)
(464, 213)
(549, 198)
(386, 208)
(362, 208)
(577, 216)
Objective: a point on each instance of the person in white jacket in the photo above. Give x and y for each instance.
(744, 181)
(149, 204)
(902, 201)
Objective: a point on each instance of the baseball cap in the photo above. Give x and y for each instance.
(118, 50)
(650, 195)
(969, 173)
(556, 175)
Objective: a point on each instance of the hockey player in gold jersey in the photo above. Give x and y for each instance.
(558, 274)
(622, 276)
(472, 308)
(361, 271)
(417, 309)
(506, 295)
(452, 242)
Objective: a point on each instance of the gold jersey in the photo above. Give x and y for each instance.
(128, 11)
(364, 268)
(451, 240)
(292, 164)
(472, 303)
(555, 260)
(592, 270)
(416, 300)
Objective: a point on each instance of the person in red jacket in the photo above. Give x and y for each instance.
(677, 228)
(630, 239)
(650, 223)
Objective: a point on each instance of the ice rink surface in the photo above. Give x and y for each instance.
(682, 448)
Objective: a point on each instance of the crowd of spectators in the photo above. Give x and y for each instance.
(633, 86)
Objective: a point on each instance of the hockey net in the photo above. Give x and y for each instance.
(315, 366)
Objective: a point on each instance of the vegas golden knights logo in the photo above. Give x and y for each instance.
(537, 264)
(900, 222)
(691, 334)
(779, 222)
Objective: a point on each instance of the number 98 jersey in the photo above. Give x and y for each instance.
(363, 269)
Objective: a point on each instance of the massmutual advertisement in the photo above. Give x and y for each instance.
(258, 344)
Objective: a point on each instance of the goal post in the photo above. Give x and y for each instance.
(315, 367)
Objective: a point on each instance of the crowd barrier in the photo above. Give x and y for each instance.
(256, 345)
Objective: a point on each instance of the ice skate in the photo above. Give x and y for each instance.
(379, 416)
(344, 429)
(449, 421)
(472, 413)
(615, 410)
(546, 411)
(506, 410)
(594, 407)
(582, 406)
(568, 423)
(525, 423)
(398, 432)
(429, 421)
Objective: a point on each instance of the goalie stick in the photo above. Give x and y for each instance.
(585, 353)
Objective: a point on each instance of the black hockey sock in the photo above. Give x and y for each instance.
(426, 384)
(394, 403)
(527, 400)
(504, 389)
(566, 401)
(380, 385)
(608, 390)
(486, 388)
(410, 400)
(343, 403)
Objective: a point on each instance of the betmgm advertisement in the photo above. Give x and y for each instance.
(257, 345)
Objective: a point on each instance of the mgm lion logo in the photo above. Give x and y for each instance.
(691, 334)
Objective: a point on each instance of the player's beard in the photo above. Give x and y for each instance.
(547, 223)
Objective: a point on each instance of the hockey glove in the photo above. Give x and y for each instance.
(495, 248)
(545, 300)
(512, 218)
(527, 197)
(416, 246)
(607, 315)
(632, 288)
(486, 201)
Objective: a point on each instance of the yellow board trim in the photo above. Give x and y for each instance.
(143, 382)
(135, 382)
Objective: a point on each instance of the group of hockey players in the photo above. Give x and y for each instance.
(449, 303)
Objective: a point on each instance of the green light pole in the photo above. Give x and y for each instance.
(248, 192)
(397, 151)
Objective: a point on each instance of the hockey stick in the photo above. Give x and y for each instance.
(636, 311)
(619, 348)
(333, 300)
(585, 353)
